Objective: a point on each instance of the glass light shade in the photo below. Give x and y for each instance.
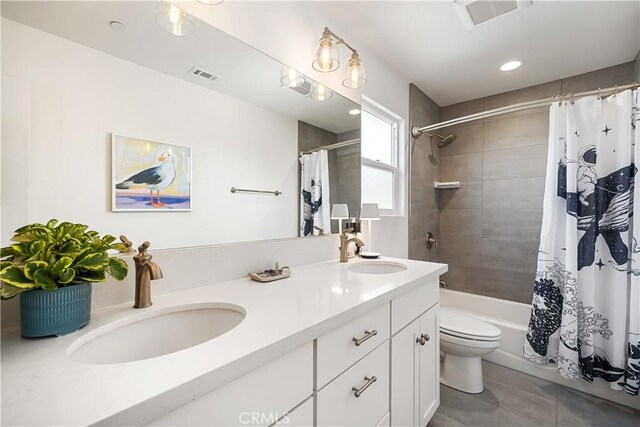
(327, 55)
(173, 19)
(291, 78)
(339, 211)
(320, 92)
(370, 212)
(357, 74)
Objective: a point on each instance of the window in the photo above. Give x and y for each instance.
(379, 145)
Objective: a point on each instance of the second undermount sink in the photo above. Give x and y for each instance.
(156, 333)
(377, 267)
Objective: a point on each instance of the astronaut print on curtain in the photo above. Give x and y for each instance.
(314, 196)
(586, 299)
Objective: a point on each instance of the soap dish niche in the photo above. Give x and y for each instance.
(446, 185)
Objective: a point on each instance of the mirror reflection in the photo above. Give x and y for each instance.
(153, 117)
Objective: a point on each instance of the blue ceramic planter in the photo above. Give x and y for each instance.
(46, 313)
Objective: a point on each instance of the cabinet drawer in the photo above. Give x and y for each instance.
(409, 306)
(337, 403)
(302, 416)
(337, 350)
(259, 397)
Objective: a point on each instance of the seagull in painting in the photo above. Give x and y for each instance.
(154, 179)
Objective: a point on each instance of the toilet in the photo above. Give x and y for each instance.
(464, 340)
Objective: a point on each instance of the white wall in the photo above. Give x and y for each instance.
(289, 32)
(79, 96)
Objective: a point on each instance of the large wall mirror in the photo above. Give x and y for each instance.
(101, 100)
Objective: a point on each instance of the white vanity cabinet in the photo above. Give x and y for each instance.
(415, 367)
(379, 369)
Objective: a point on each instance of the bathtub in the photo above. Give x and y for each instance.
(512, 318)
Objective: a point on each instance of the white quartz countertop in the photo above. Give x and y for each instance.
(42, 386)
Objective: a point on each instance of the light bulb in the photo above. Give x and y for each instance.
(175, 15)
(325, 57)
(172, 19)
(320, 92)
(357, 76)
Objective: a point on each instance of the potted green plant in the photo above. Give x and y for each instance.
(52, 267)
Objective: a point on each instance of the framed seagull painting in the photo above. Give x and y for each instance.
(149, 176)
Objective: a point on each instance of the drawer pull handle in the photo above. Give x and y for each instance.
(423, 339)
(358, 391)
(367, 335)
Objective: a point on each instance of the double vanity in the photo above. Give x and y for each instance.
(336, 344)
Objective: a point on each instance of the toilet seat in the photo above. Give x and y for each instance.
(469, 343)
(457, 325)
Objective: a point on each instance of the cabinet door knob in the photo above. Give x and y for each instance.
(422, 340)
(367, 335)
(358, 391)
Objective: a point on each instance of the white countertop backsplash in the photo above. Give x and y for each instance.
(42, 386)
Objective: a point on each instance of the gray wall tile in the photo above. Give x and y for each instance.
(509, 255)
(463, 278)
(460, 109)
(422, 221)
(469, 139)
(464, 167)
(636, 68)
(509, 285)
(520, 193)
(606, 77)
(521, 131)
(468, 196)
(461, 251)
(512, 223)
(520, 162)
(544, 90)
(461, 222)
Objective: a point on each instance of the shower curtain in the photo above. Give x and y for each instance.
(314, 197)
(586, 302)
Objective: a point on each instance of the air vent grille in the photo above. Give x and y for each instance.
(304, 89)
(197, 71)
(476, 12)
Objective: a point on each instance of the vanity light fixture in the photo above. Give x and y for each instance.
(328, 59)
(340, 211)
(291, 78)
(174, 20)
(320, 92)
(511, 65)
(355, 112)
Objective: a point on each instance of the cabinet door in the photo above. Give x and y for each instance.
(429, 366)
(403, 375)
(302, 416)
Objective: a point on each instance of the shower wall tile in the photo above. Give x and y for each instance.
(424, 221)
(461, 250)
(606, 77)
(468, 196)
(460, 109)
(470, 140)
(510, 285)
(544, 90)
(521, 131)
(512, 223)
(418, 250)
(461, 222)
(463, 278)
(464, 167)
(510, 254)
(520, 162)
(521, 193)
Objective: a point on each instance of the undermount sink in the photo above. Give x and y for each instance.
(377, 267)
(158, 333)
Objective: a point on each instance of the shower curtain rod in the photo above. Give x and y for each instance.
(416, 131)
(333, 146)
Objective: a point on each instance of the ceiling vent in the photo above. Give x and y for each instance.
(197, 71)
(476, 12)
(304, 89)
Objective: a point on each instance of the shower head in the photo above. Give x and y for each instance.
(444, 140)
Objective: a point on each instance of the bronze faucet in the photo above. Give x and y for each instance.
(146, 270)
(344, 244)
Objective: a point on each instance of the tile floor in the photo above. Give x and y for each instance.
(511, 398)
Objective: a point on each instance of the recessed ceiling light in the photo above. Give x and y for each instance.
(511, 65)
(117, 26)
(354, 112)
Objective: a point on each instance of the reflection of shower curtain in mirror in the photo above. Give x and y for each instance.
(586, 300)
(314, 197)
